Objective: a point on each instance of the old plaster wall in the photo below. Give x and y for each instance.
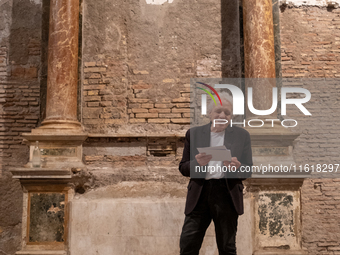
(139, 58)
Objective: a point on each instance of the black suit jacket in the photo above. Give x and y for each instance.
(237, 140)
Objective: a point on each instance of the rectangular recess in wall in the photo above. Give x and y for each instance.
(161, 147)
(47, 216)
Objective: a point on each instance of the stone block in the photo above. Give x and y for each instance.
(92, 92)
(132, 121)
(90, 64)
(146, 115)
(147, 106)
(91, 113)
(160, 110)
(138, 100)
(181, 100)
(159, 120)
(181, 110)
(170, 115)
(138, 110)
(181, 121)
(93, 104)
(92, 98)
(89, 87)
(183, 105)
(94, 69)
(164, 105)
(105, 103)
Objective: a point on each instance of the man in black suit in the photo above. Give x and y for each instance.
(214, 196)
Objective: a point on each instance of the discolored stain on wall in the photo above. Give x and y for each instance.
(47, 216)
(276, 214)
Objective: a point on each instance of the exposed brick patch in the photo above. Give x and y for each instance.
(20, 113)
(3, 62)
(104, 101)
(34, 46)
(108, 103)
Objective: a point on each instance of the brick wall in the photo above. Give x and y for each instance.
(20, 63)
(310, 38)
(310, 42)
(118, 92)
(19, 104)
(105, 103)
(320, 216)
(3, 62)
(19, 111)
(149, 53)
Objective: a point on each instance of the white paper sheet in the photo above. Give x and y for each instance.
(219, 153)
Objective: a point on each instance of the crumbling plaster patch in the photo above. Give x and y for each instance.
(298, 3)
(158, 2)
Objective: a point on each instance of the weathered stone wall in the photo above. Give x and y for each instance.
(310, 43)
(139, 61)
(5, 23)
(112, 160)
(20, 60)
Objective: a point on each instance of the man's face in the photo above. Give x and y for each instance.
(221, 112)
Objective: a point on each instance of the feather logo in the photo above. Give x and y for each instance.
(204, 97)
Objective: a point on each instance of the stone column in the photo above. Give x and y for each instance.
(61, 105)
(60, 135)
(259, 52)
(274, 198)
(258, 39)
(50, 187)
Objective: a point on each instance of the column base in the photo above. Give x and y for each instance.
(60, 150)
(57, 126)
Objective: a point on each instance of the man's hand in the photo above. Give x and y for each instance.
(233, 162)
(203, 159)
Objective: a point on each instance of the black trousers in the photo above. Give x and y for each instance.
(214, 204)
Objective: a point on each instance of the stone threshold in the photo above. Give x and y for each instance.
(137, 135)
(42, 252)
(281, 252)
